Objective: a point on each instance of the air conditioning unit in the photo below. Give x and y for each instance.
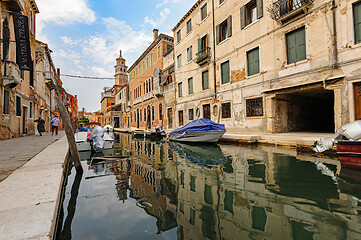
(10, 72)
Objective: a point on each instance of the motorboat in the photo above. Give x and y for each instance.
(158, 133)
(200, 130)
(95, 139)
(348, 144)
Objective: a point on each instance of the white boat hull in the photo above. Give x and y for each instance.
(201, 136)
(83, 145)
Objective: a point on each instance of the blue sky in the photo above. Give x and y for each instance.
(86, 36)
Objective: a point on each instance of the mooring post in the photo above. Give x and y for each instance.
(69, 134)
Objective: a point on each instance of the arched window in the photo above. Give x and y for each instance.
(152, 113)
(145, 115)
(6, 40)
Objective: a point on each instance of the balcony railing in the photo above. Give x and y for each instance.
(50, 80)
(284, 9)
(10, 74)
(203, 56)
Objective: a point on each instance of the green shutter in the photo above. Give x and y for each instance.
(253, 61)
(218, 33)
(300, 45)
(205, 80)
(225, 72)
(291, 48)
(208, 194)
(228, 201)
(256, 61)
(207, 37)
(229, 25)
(192, 219)
(243, 17)
(357, 22)
(182, 179)
(180, 90)
(199, 45)
(259, 8)
(193, 183)
(190, 85)
(259, 218)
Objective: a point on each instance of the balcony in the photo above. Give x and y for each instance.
(283, 10)
(10, 74)
(50, 80)
(137, 100)
(158, 91)
(203, 56)
(15, 5)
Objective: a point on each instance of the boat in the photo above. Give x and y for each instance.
(348, 144)
(200, 130)
(349, 153)
(84, 139)
(158, 133)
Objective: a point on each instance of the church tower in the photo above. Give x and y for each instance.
(121, 75)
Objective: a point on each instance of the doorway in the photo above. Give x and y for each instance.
(207, 111)
(25, 120)
(180, 116)
(116, 122)
(170, 118)
(357, 98)
(148, 118)
(137, 118)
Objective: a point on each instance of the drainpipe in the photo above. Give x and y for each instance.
(214, 53)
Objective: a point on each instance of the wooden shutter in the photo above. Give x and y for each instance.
(207, 38)
(199, 45)
(243, 17)
(218, 34)
(357, 22)
(253, 61)
(225, 72)
(229, 25)
(291, 48)
(300, 45)
(259, 8)
(256, 61)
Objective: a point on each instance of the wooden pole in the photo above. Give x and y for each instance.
(69, 134)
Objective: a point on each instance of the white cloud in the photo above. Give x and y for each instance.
(164, 2)
(158, 21)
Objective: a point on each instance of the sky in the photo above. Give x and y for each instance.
(86, 36)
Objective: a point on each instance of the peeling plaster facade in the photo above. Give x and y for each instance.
(315, 93)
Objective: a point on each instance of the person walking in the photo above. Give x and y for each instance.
(41, 125)
(55, 125)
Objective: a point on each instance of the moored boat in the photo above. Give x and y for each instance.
(349, 153)
(200, 130)
(82, 137)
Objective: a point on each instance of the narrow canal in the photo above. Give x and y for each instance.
(178, 191)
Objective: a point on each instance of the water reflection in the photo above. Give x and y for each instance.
(179, 191)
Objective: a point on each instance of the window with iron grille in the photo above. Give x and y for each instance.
(254, 107)
(226, 110)
(190, 114)
(189, 26)
(6, 102)
(357, 21)
(18, 106)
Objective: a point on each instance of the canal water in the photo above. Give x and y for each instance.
(168, 190)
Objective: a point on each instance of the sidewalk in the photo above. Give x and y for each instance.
(17, 151)
(29, 195)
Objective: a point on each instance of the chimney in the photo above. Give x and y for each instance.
(155, 34)
(58, 72)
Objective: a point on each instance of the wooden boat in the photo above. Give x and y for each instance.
(349, 153)
(200, 130)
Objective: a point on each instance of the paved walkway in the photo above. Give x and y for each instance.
(17, 151)
(29, 196)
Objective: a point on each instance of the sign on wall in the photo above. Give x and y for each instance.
(23, 53)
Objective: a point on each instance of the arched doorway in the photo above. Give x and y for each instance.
(148, 118)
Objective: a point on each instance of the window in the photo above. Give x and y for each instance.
(192, 183)
(178, 36)
(189, 54)
(31, 74)
(226, 110)
(159, 52)
(180, 90)
(151, 59)
(147, 62)
(190, 114)
(253, 61)
(18, 106)
(153, 113)
(6, 102)
(160, 112)
(357, 21)
(179, 60)
(228, 201)
(189, 26)
(6, 40)
(203, 12)
(224, 30)
(296, 46)
(221, 1)
(251, 12)
(205, 84)
(31, 110)
(31, 21)
(143, 66)
(225, 72)
(254, 107)
(192, 215)
(190, 85)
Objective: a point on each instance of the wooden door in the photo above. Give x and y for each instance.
(207, 111)
(181, 122)
(357, 97)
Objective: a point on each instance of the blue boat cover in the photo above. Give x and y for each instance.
(203, 124)
(83, 129)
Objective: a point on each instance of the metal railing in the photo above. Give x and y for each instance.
(203, 55)
(282, 8)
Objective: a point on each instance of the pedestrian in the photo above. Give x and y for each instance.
(41, 125)
(55, 125)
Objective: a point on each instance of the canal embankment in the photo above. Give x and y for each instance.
(30, 194)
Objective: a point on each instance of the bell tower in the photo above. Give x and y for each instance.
(121, 75)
